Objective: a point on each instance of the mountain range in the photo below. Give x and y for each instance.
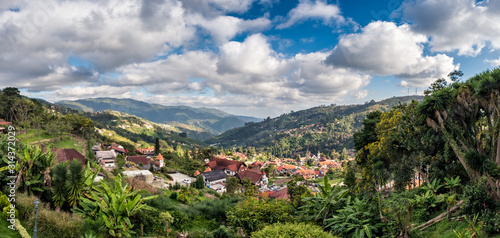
(205, 120)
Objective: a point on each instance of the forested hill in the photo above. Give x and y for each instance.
(211, 120)
(320, 128)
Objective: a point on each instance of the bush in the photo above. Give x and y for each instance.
(200, 233)
(57, 224)
(4, 201)
(173, 196)
(300, 230)
(91, 226)
(25, 206)
(224, 232)
(6, 215)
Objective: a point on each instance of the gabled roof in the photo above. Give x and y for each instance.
(196, 173)
(208, 169)
(138, 159)
(64, 155)
(280, 168)
(214, 175)
(105, 154)
(281, 194)
(253, 176)
(221, 164)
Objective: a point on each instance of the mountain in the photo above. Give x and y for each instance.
(323, 128)
(209, 120)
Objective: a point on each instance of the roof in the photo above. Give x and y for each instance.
(221, 164)
(64, 155)
(289, 167)
(280, 168)
(105, 154)
(138, 159)
(159, 157)
(214, 175)
(281, 194)
(208, 169)
(196, 173)
(253, 176)
(133, 173)
(5, 123)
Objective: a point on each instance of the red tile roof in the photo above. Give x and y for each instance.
(138, 159)
(281, 194)
(64, 155)
(159, 157)
(221, 164)
(254, 177)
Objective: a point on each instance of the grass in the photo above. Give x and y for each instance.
(69, 143)
(33, 136)
(5, 232)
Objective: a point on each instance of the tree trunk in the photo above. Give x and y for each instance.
(422, 174)
(438, 218)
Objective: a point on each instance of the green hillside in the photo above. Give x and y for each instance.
(323, 128)
(200, 119)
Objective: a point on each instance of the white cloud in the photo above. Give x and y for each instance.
(224, 28)
(307, 9)
(493, 62)
(382, 48)
(464, 25)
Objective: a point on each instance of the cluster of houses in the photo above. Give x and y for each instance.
(107, 158)
(218, 170)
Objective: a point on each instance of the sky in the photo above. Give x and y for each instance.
(247, 57)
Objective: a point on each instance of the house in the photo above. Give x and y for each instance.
(118, 149)
(214, 177)
(4, 125)
(230, 167)
(257, 164)
(306, 173)
(219, 187)
(142, 161)
(148, 176)
(158, 162)
(146, 151)
(196, 173)
(106, 158)
(280, 194)
(280, 170)
(63, 155)
(255, 178)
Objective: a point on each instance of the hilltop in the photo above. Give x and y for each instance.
(322, 128)
(208, 120)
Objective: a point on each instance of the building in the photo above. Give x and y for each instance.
(258, 179)
(158, 162)
(142, 161)
(230, 167)
(214, 177)
(106, 158)
(148, 176)
(4, 125)
(306, 173)
(118, 149)
(63, 155)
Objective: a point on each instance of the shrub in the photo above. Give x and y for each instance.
(224, 232)
(300, 230)
(4, 200)
(22, 231)
(25, 206)
(173, 195)
(200, 233)
(6, 215)
(57, 224)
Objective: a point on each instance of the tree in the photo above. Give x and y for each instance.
(297, 192)
(157, 146)
(59, 185)
(33, 169)
(75, 182)
(232, 184)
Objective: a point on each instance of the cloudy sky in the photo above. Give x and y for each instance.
(248, 57)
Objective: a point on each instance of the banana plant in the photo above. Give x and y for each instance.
(114, 205)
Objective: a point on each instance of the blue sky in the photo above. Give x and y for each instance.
(248, 57)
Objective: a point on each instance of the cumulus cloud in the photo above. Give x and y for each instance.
(243, 73)
(224, 28)
(493, 62)
(307, 9)
(463, 25)
(383, 48)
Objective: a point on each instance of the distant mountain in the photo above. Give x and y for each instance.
(323, 128)
(209, 120)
